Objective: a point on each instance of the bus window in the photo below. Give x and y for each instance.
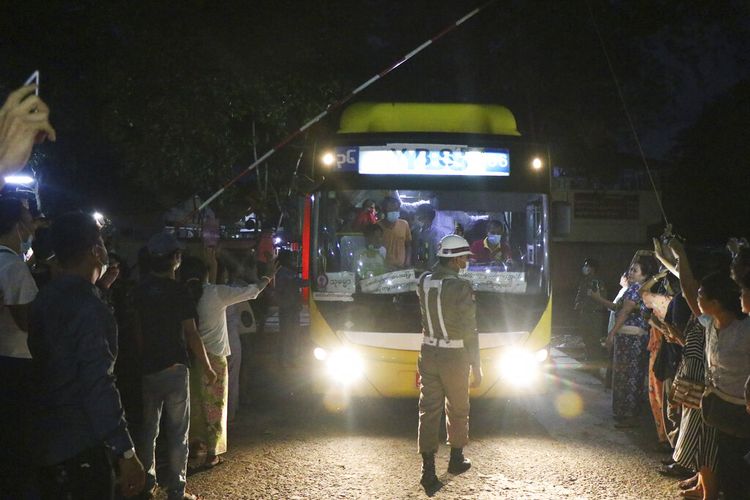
(506, 231)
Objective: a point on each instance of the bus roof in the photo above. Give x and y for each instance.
(374, 117)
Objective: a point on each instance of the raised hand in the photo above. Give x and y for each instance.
(24, 121)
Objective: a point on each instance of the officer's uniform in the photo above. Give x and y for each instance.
(450, 345)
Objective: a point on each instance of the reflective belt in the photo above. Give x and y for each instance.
(448, 344)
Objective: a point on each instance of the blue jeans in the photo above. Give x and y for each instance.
(166, 391)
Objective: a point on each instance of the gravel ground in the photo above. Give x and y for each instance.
(288, 447)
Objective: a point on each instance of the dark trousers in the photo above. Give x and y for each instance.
(289, 341)
(17, 472)
(733, 471)
(592, 326)
(87, 476)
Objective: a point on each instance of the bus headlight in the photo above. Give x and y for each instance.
(522, 367)
(343, 366)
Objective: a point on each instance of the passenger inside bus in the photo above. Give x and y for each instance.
(367, 216)
(396, 235)
(425, 237)
(493, 248)
(370, 261)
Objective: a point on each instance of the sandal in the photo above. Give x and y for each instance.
(212, 461)
(689, 483)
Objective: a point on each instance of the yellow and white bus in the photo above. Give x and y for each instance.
(468, 165)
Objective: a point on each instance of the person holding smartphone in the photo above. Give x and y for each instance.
(24, 122)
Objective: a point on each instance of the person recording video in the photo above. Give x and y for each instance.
(24, 122)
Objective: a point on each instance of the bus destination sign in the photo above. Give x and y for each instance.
(424, 159)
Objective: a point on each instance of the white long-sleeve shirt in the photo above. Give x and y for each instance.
(212, 314)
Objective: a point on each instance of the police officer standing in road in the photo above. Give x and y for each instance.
(450, 352)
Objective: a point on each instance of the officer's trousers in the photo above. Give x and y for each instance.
(444, 375)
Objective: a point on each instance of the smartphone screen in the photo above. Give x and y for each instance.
(33, 79)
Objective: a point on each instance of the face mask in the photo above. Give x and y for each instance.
(494, 239)
(392, 216)
(586, 270)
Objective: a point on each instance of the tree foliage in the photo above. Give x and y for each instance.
(157, 101)
(709, 187)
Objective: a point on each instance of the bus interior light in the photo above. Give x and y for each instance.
(537, 163)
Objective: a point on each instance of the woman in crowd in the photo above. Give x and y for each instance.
(696, 447)
(657, 303)
(208, 400)
(629, 338)
(717, 304)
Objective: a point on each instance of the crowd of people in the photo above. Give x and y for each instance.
(110, 378)
(126, 378)
(679, 338)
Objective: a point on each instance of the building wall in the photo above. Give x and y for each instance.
(608, 226)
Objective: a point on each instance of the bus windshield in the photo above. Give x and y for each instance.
(376, 242)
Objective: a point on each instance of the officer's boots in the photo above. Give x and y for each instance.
(458, 463)
(429, 478)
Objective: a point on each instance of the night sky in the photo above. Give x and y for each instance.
(154, 101)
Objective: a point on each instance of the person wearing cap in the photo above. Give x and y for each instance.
(166, 328)
(449, 354)
(591, 314)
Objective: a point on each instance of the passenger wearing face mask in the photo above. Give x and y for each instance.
(591, 324)
(494, 248)
(396, 235)
(17, 291)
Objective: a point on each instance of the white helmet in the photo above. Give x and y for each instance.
(453, 245)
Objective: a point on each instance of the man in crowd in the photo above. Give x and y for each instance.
(17, 290)
(396, 235)
(166, 325)
(81, 428)
(591, 315)
(290, 304)
(450, 352)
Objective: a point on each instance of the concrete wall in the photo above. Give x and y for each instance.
(607, 228)
(612, 241)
